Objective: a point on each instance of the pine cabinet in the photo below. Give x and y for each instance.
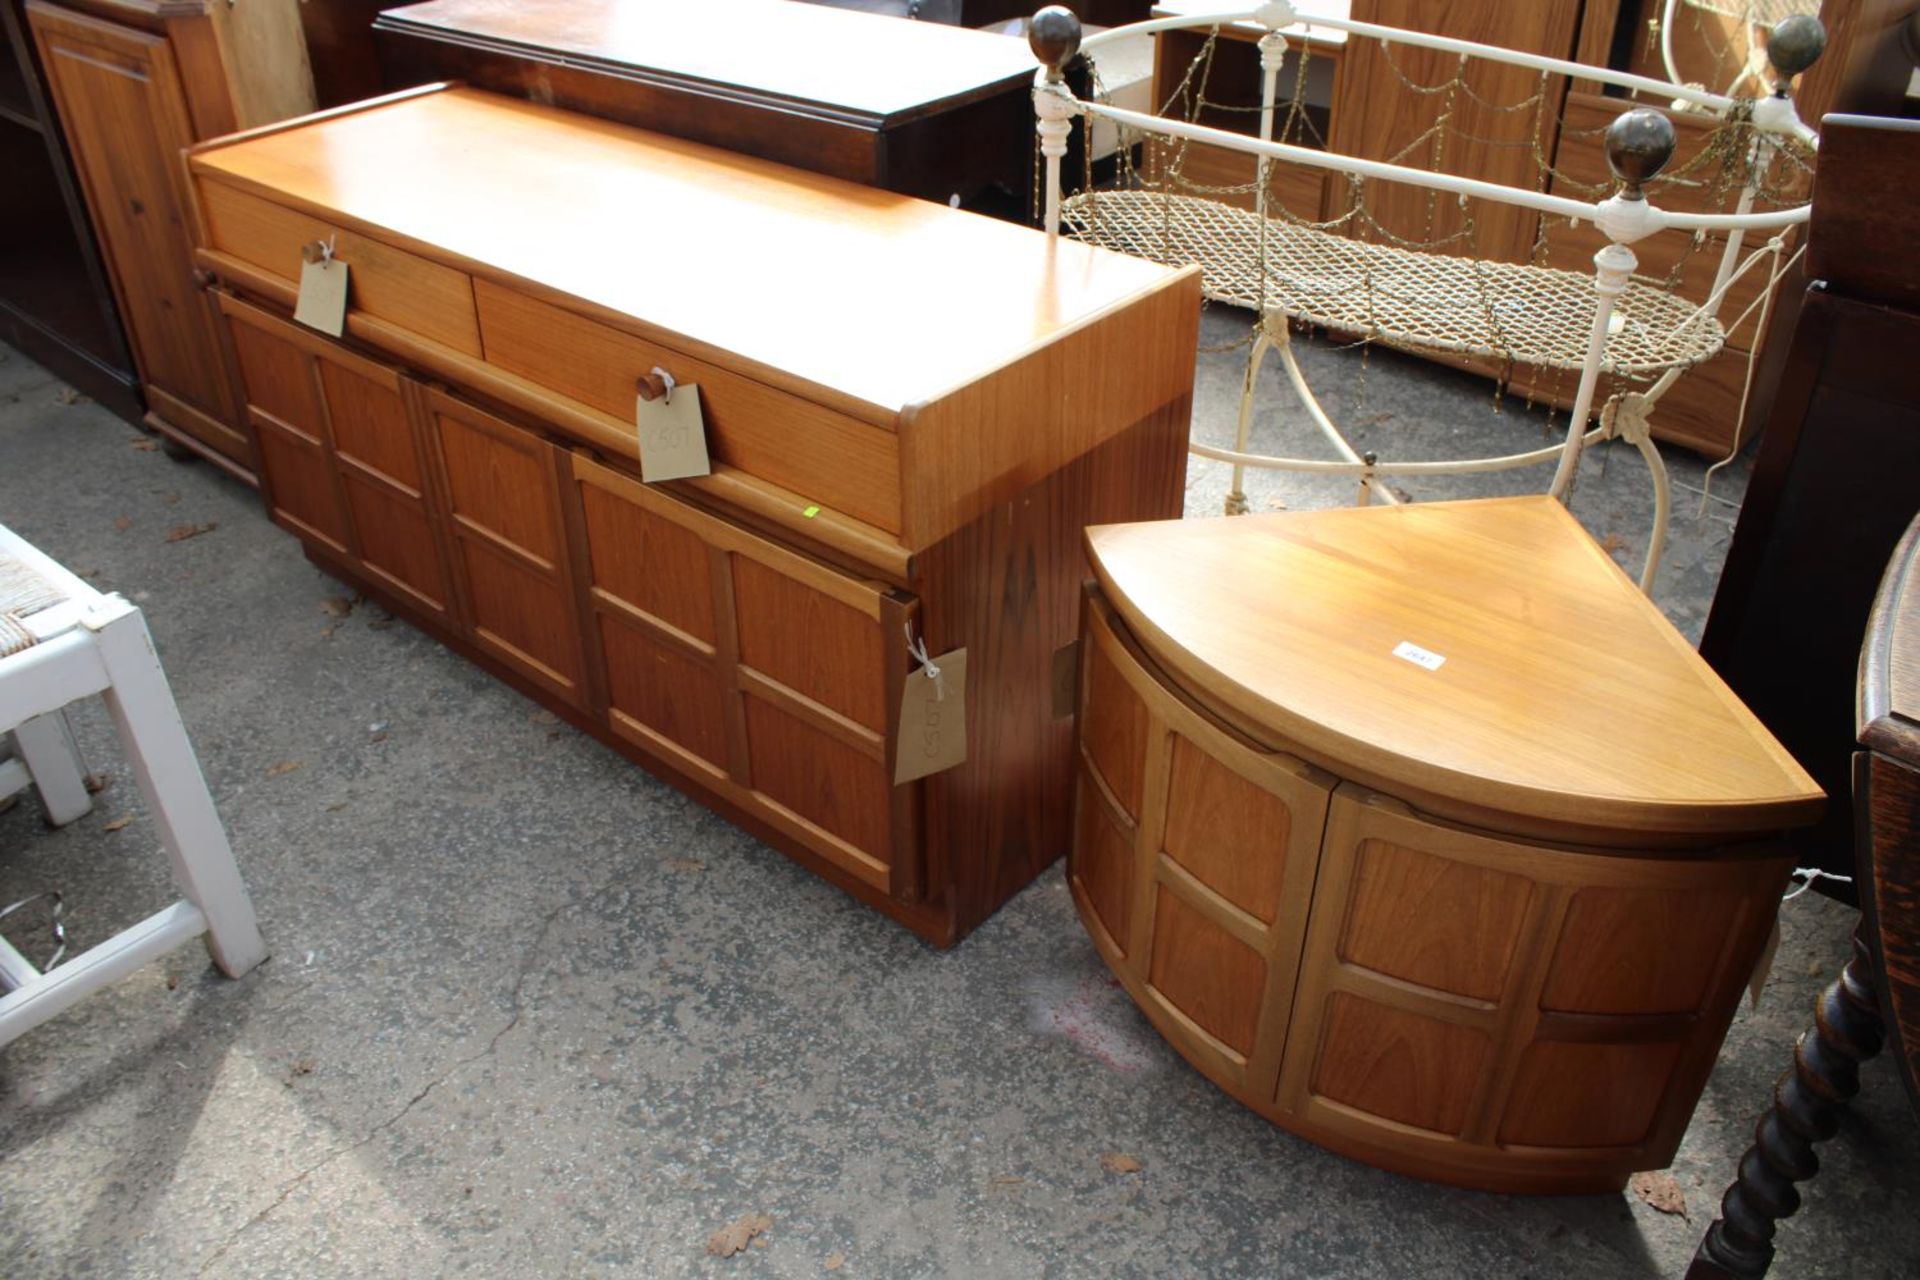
(134, 84)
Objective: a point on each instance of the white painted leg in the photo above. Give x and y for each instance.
(47, 748)
(163, 764)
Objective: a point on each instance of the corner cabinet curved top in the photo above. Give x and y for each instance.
(1420, 832)
(913, 413)
(552, 254)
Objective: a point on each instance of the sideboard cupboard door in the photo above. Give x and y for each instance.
(340, 454)
(125, 115)
(1487, 1004)
(283, 408)
(508, 543)
(1193, 861)
(762, 672)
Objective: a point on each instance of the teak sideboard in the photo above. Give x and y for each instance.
(913, 412)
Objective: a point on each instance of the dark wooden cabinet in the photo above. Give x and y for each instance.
(1837, 478)
(56, 304)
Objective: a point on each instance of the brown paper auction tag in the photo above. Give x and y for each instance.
(933, 718)
(673, 435)
(323, 296)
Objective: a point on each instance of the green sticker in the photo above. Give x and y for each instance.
(811, 512)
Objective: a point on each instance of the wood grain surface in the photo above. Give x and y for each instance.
(1564, 694)
(794, 277)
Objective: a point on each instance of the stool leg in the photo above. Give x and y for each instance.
(47, 749)
(163, 763)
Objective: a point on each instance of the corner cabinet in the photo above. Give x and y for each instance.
(134, 84)
(912, 416)
(1483, 920)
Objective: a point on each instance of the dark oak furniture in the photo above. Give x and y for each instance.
(1876, 999)
(1837, 477)
(56, 304)
(1423, 834)
(913, 412)
(916, 107)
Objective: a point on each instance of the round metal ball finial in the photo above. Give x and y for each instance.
(1795, 44)
(1639, 144)
(1054, 37)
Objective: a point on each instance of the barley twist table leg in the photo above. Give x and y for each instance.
(1825, 1075)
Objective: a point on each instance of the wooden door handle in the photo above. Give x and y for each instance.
(654, 385)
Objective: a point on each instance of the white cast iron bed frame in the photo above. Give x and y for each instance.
(1624, 217)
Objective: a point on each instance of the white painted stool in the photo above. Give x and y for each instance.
(60, 641)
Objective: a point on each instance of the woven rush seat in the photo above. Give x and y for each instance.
(1407, 298)
(23, 593)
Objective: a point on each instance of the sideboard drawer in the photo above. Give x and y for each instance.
(390, 284)
(827, 457)
(760, 671)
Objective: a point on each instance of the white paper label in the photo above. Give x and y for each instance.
(1417, 656)
(322, 303)
(673, 435)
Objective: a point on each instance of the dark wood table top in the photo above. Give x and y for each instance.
(861, 67)
(1889, 845)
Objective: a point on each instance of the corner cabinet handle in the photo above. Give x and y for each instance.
(652, 386)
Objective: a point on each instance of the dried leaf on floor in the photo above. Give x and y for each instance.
(737, 1235)
(285, 767)
(302, 1066)
(67, 395)
(1661, 1191)
(686, 864)
(1119, 1162)
(338, 606)
(1613, 543)
(544, 716)
(117, 824)
(123, 523)
(145, 445)
(1006, 1180)
(833, 1262)
(98, 782)
(181, 532)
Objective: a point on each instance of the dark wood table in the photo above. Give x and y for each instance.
(1876, 1000)
(920, 108)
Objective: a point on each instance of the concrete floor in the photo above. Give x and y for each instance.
(532, 1013)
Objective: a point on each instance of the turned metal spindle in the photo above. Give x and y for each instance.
(1806, 1110)
(1639, 143)
(1054, 36)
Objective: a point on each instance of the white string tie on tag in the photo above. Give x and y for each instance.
(1811, 874)
(917, 650)
(666, 380)
(326, 249)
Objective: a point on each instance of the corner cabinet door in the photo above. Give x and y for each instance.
(509, 546)
(766, 675)
(341, 462)
(125, 116)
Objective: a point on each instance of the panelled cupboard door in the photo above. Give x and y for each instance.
(340, 454)
(1494, 1007)
(1193, 862)
(508, 542)
(125, 116)
(762, 672)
